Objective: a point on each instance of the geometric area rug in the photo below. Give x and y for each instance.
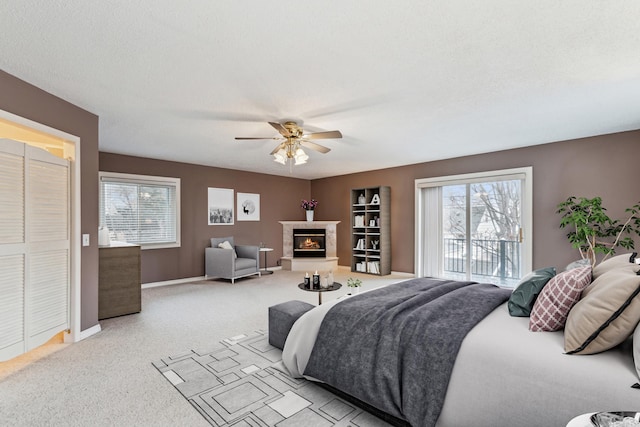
(237, 383)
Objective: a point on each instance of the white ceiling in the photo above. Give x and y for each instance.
(405, 82)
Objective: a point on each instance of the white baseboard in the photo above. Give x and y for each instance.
(172, 282)
(403, 273)
(274, 268)
(69, 338)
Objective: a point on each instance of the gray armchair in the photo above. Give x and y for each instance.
(241, 261)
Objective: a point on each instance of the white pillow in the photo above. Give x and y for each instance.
(227, 245)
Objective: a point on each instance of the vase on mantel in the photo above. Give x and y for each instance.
(309, 215)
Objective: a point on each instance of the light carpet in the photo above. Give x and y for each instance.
(238, 383)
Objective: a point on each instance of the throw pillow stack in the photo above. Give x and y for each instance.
(598, 309)
(608, 312)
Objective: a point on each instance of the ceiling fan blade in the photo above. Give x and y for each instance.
(283, 130)
(243, 138)
(317, 147)
(278, 148)
(324, 135)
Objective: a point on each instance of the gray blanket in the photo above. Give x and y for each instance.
(394, 347)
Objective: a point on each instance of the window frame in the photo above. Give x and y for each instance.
(135, 179)
(424, 262)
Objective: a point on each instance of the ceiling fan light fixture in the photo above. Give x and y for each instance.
(280, 157)
(292, 137)
(300, 156)
(301, 160)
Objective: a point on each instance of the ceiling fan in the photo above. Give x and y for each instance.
(293, 139)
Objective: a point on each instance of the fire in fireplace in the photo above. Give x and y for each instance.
(309, 243)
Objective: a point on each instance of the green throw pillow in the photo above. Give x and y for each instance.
(524, 296)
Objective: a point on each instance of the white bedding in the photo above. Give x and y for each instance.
(301, 338)
(507, 376)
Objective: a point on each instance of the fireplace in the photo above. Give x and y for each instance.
(294, 261)
(309, 243)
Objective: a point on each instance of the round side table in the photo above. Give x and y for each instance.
(265, 250)
(333, 287)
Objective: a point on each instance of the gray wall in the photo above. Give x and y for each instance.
(603, 166)
(578, 167)
(279, 200)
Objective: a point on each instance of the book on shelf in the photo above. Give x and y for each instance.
(373, 267)
(361, 267)
(360, 244)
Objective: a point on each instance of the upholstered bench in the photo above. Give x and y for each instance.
(281, 319)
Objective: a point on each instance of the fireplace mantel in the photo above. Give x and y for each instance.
(309, 264)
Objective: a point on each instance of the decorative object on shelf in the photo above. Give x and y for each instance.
(375, 200)
(593, 232)
(374, 244)
(361, 199)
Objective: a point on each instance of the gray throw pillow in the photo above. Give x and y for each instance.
(577, 264)
(524, 296)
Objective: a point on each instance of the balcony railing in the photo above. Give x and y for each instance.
(491, 258)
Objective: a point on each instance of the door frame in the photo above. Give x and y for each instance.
(71, 147)
(421, 217)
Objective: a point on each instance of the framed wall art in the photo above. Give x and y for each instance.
(220, 206)
(248, 207)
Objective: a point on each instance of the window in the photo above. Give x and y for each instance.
(140, 209)
(472, 227)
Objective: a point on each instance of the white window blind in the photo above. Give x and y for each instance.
(141, 209)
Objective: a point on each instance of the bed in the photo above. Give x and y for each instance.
(501, 374)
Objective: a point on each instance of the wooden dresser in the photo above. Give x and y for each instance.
(119, 284)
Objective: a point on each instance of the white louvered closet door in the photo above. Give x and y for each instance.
(34, 273)
(12, 249)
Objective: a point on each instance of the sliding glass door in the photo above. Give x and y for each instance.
(471, 227)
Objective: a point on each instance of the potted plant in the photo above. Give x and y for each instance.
(354, 285)
(592, 232)
(309, 206)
